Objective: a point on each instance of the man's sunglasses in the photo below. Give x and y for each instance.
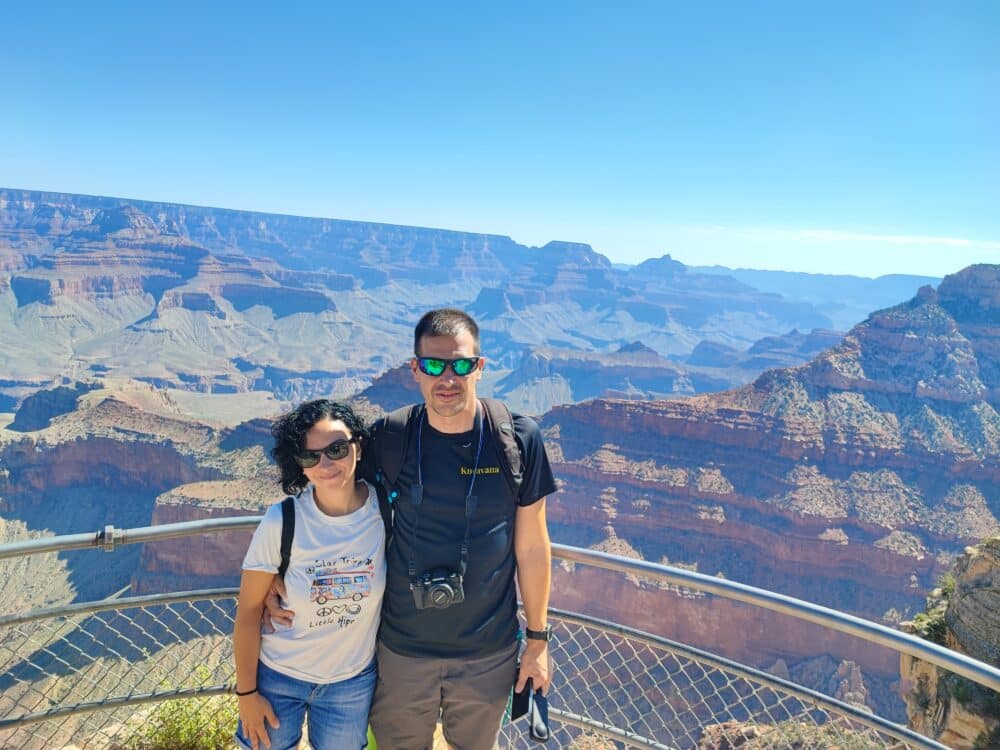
(335, 451)
(435, 367)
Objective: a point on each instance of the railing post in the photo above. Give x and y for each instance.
(109, 537)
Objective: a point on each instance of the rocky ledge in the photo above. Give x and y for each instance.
(964, 615)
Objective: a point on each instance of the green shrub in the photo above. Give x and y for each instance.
(187, 724)
(931, 626)
(947, 584)
(987, 741)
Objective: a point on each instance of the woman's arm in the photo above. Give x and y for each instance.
(254, 708)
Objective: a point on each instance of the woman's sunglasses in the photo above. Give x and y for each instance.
(335, 451)
(435, 367)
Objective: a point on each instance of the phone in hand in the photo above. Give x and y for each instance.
(535, 706)
(521, 702)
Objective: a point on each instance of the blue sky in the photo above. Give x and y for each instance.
(840, 137)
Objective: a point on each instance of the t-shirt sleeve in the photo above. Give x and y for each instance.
(264, 552)
(537, 481)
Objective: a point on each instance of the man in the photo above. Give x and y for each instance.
(454, 511)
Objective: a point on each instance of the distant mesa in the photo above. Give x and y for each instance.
(119, 253)
(393, 389)
(38, 410)
(664, 267)
(547, 376)
(845, 300)
(714, 354)
(647, 313)
(46, 218)
(576, 253)
(493, 302)
(125, 221)
(283, 301)
(637, 347)
(191, 300)
(254, 432)
(787, 350)
(790, 349)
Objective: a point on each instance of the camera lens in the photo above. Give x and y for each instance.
(439, 596)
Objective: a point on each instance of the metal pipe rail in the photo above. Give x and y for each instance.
(110, 537)
(867, 630)
(978, 672)
(764, 678)
(718, 664)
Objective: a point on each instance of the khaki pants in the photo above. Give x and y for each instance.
(469, 696)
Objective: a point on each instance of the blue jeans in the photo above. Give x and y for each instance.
(338, 712)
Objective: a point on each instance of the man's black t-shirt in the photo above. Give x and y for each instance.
(487, 620)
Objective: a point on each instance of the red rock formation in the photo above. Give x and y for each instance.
(850, 481)
(209, 559)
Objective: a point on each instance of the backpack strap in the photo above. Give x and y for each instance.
(501, 423)
(391, 440)
(287, 533)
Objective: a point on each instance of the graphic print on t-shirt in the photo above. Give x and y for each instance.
(337, 589)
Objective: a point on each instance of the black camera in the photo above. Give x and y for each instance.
(437, 589)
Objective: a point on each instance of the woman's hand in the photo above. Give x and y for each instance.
(254, 711)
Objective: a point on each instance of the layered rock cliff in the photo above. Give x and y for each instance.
(964, 615)
(852, 481)
(169, 565)
(104, 462)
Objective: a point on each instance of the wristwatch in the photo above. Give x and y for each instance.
(539, 635)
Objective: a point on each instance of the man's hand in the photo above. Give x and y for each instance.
(254, 711)
(536, 664)
(273, 613)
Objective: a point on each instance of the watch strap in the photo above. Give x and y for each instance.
(539, 635)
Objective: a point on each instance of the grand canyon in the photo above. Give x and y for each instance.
(691, 418)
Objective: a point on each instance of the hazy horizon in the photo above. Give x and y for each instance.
(449, 229)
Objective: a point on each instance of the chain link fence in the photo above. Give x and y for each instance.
(97, 676)
(148, 673)
(155, 673)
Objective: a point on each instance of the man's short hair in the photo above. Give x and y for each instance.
(446, 321)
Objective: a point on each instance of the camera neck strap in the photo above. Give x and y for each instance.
(417, 495)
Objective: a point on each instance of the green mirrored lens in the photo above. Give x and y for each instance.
(433, 366)
(464, 366)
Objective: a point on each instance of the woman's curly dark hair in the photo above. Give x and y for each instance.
(289, 433)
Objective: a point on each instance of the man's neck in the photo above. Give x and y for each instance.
(463, 422)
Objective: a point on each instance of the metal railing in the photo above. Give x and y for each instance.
(116, 673)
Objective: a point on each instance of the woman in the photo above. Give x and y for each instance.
(323, 664)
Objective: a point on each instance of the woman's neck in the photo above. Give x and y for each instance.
(341, 501)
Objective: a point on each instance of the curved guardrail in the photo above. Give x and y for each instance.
(93, 669)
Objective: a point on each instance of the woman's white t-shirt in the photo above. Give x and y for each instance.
(335, 581)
